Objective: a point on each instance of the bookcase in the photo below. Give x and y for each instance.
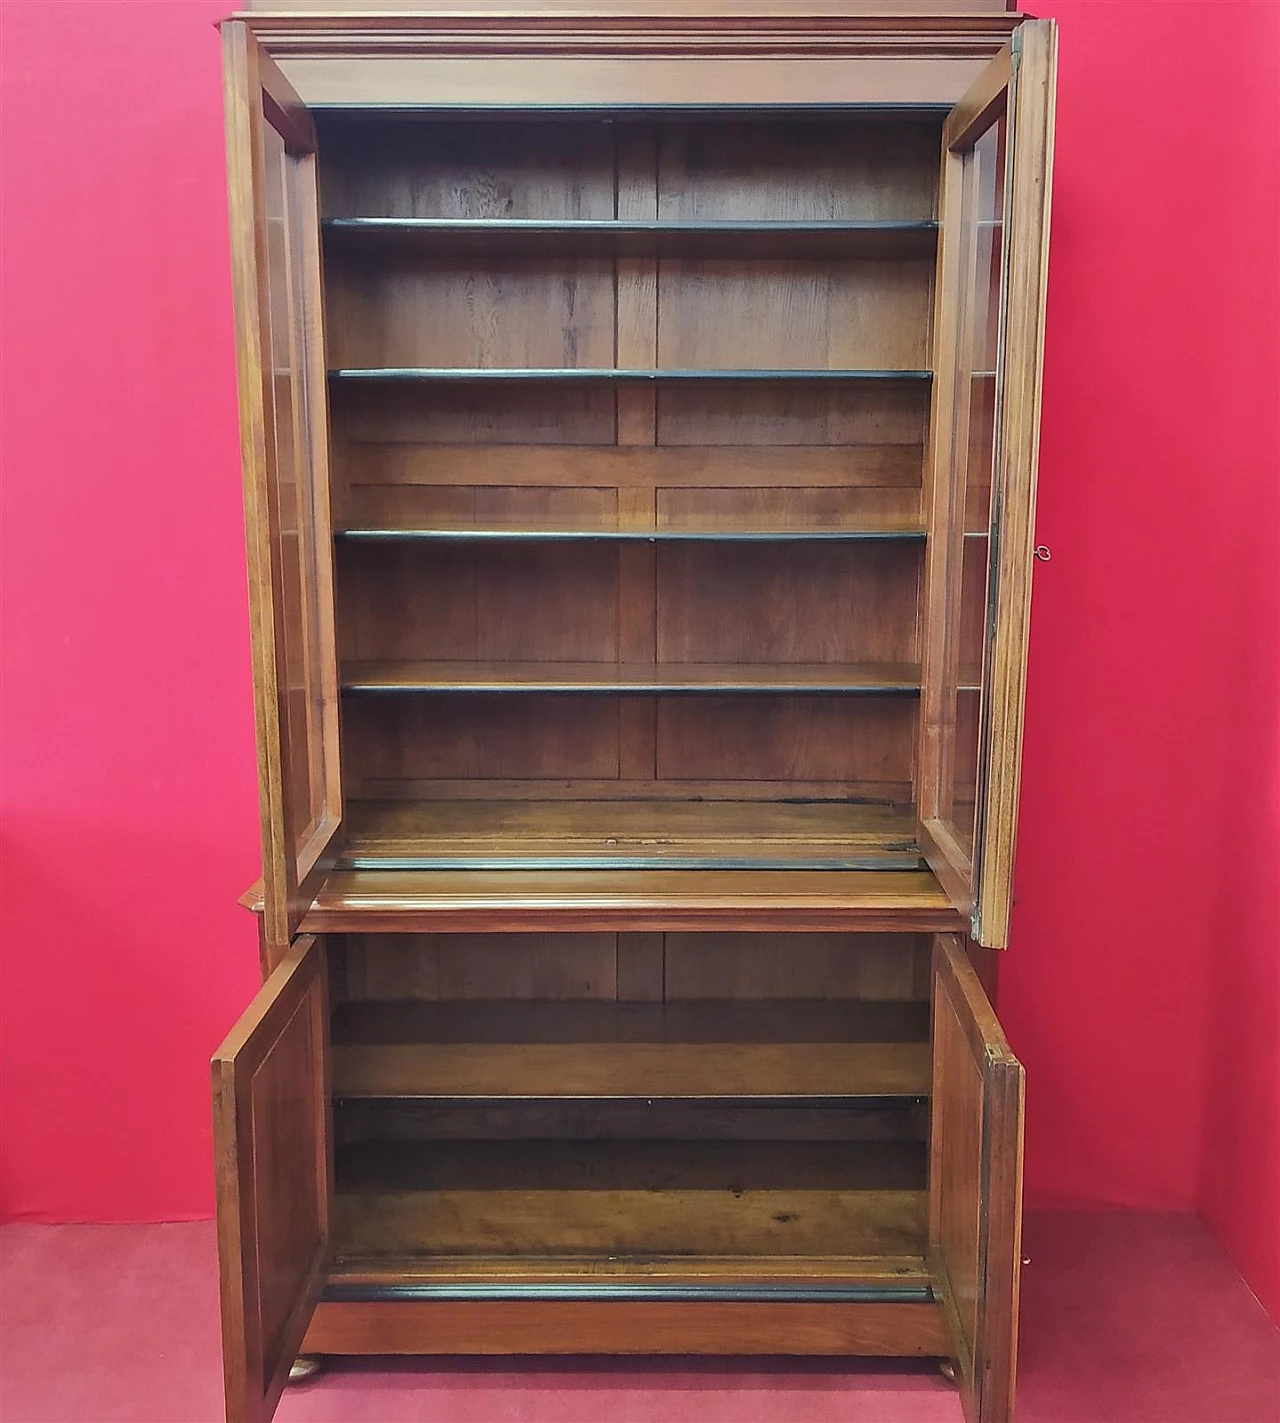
(639, 410)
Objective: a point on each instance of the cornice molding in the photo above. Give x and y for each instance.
(568, 33)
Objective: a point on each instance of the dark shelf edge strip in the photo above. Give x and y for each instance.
(484, 374)
(657, 1293)
(781, 1102)
(633, 689)
(834, 227)
(623, 536)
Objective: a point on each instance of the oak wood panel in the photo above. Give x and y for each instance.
(775, 968)
(861, 744)
(888, 1119)
(397, 167)
(273, 1170)
(794, 413)
(819, 169)
(788, 603)
(569, 413)
(529, 602)
(576, 1327)
(378, 1168)
(627, 1069)
(757, 314)
(543, 1019)
(975, 1191)
(418, 968)
(396, 739)
(400, 457)
(502, 312)
(846, 747)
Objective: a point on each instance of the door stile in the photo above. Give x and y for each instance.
(284, 450)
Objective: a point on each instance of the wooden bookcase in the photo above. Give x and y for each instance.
(639, 413)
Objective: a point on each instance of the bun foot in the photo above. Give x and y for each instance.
(304, 1367)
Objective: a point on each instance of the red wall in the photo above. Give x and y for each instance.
(1143, 989)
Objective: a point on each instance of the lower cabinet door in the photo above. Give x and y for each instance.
(274, 1175)
(975, 1183)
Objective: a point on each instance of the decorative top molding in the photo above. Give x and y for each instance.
(707, 30)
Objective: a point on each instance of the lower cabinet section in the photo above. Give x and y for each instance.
(619, 1143)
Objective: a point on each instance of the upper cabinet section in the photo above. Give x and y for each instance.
(981, 472)
(285, 455)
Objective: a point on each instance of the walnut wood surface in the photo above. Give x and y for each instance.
(975, 1183)
(630, 1069)
(487, 832)
(274, 1169)
(576, 1327)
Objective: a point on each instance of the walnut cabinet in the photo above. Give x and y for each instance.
(639, 410)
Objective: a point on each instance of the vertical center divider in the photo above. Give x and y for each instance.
(640, 956)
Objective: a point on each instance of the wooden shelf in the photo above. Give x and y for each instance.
(876, 679)
(682, 535)
(524, 237)
(495, 1211)
(518, 901)
(532, 835)
(498, 374)
(380, 1052)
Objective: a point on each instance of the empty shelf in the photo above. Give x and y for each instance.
(867, 678)
(426, 901)
(531, 237)
(485, 834)
(556, 1051)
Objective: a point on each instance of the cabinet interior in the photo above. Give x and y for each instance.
(628, 427)
(691, 1107)
(628, 423)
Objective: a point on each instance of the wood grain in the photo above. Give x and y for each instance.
(274, 1178)
(975, 1174)
(575, 1327)
(634, 900)
(649, 1070)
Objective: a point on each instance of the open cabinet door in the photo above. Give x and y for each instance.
(275, 240)
(975, 1183)
(981, 473)
(274, 1172)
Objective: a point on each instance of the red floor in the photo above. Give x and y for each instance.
(1127, 1318)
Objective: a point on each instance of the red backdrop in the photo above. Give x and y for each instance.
(1143, 989)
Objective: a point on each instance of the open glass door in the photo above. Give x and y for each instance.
(284, 445)
(274, 1170)
(975, 1183)
(988, 339)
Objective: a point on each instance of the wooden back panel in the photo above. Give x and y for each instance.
(711, 456)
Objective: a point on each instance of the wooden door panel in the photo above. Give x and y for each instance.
(284, 449)
(981, 474)
(975, 1183)
(272, 1149)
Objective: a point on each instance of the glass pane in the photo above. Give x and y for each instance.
(974, 457)
(295, 473)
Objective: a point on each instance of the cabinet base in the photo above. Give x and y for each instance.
(625, 1327)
